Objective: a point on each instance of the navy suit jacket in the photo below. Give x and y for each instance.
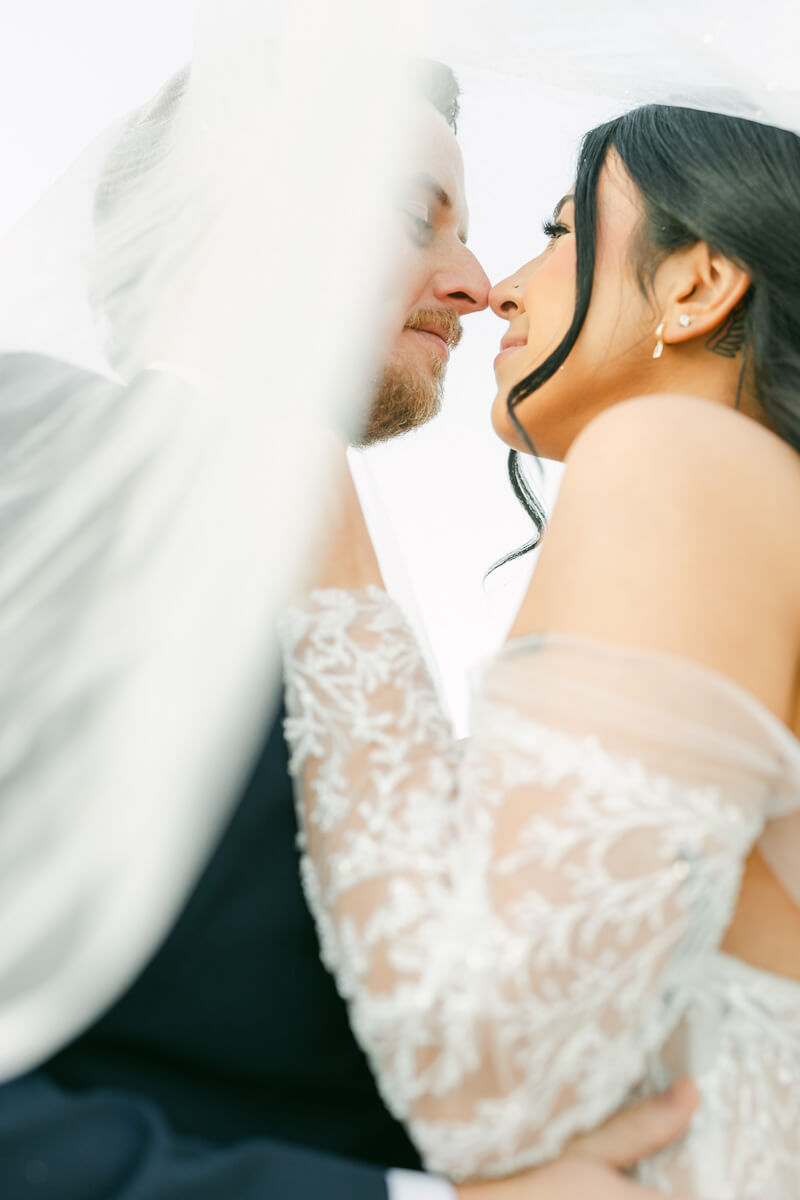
(228, 1071)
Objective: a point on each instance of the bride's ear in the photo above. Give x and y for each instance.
(703, 289)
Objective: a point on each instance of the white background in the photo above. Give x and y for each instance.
(438, 500)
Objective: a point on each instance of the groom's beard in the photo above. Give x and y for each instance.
(406, 398)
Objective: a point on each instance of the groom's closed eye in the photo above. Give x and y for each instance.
(419, 216)
(437, 198)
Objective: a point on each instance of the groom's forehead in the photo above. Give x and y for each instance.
(436, 162)
(433, 142)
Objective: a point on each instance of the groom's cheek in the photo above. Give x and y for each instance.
(404, 269)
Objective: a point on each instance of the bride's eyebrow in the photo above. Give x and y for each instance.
(564, 200)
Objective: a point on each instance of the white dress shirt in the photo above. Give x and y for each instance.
(413, 1185)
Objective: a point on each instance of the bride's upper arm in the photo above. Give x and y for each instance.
(674, 530)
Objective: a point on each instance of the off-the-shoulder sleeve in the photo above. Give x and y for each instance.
(516, 927)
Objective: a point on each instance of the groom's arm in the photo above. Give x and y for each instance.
(112, 1145)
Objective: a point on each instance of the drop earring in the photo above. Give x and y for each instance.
(659, 350)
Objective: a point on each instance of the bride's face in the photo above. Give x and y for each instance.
(612, 358)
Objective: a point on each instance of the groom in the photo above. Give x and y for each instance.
(228, 1071)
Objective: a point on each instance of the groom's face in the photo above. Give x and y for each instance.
(441, 281)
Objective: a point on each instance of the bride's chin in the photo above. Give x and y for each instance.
(504, 427)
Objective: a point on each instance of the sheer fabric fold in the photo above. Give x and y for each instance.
(235, 233)
(258, 185)
(731, 57)
(527, 929)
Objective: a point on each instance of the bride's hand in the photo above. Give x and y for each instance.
(591, 1163)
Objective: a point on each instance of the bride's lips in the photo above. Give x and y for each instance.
(507, 346)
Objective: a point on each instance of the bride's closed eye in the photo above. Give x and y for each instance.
(554, 229)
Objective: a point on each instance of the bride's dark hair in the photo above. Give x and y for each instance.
(732, 183)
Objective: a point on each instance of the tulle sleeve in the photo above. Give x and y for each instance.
(516, 926)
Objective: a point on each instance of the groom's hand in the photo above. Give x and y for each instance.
(591, 1164)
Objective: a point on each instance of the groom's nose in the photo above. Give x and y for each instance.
(462, 284)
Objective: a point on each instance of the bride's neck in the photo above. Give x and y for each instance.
(700, 372)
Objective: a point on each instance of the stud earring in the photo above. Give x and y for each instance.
(684, 320)
(659, 350)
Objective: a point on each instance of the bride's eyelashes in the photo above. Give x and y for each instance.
(554, 229)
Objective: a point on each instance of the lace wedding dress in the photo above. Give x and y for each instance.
(527, 928)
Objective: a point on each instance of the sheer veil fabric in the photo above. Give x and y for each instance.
(158, 480)
(730, 58)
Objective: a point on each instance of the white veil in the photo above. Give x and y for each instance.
(733, 58)
(175, 315)
(222, 258)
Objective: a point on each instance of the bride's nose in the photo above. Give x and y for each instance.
(505, 298)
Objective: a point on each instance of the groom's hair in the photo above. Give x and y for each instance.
(144, 141)
(145, 137)
(439, 85)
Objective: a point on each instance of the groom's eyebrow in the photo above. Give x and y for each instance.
(435, 189)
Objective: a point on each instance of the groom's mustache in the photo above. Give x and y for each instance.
(443, 322)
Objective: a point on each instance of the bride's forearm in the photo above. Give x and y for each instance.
(458, 895)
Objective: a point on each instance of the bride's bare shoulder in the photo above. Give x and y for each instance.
(703, 451)
(677, 528)
(664, 425)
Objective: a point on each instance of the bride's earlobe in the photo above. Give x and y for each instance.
(684, 320)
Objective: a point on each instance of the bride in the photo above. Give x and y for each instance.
(599, 893)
